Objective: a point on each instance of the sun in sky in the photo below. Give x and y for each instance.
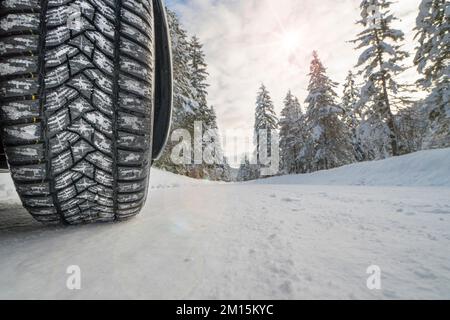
(290, 41)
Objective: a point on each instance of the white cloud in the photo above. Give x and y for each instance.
(245, 45)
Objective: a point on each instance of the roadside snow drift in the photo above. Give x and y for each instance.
(281, 238)
(424, 168)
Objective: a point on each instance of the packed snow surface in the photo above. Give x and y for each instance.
(307, 236)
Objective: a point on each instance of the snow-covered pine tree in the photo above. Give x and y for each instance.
(243, 173)
(247, 171)
(433, 62)
(380, 63)
(352, 116)
(225, 171)
(199, 73)
(185, 97)
(292, 129)
(219, 169)
(205, 114)
(199, 77)
(184, 102)
(412, 125)
(330, 144)
(198, 80)
(265, 119)
(189, 98)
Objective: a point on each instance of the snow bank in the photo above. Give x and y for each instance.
(424, 168)
(160, 179)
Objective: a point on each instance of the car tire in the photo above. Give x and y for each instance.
(76, 90)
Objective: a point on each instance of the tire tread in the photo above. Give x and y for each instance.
(79, 125)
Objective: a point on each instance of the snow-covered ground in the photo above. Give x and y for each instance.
(424, 168)
(307, 236)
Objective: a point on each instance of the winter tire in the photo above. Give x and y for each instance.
(77, 90)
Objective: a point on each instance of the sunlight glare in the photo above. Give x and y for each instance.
(290, 41)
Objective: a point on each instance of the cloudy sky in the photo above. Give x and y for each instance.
(249, 42)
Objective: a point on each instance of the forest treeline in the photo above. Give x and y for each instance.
(376, 116)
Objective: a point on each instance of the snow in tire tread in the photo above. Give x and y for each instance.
(77, 107)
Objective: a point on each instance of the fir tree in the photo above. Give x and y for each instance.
(215, 166)
(433, 62)
(352, 116)
(247, 171)
(265, 119)
(184, 104)
(329, 144)
(291, 135)
(183, 91)
(244, 173)
(224, 171)
(411, 124)
(199, 76)
(380, 63)
(205, 114)
(199, 73)
(190, 102)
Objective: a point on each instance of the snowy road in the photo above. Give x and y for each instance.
(257, 241)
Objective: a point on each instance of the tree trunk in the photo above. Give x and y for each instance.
(387, 106)
(390, 119)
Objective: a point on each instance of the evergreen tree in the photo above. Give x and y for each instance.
(352, 116)
(190, 103)
(291, 135)
(215, 166)
(224, 171)
(183, 91)
(243, 173)
(329, 144)
(184, 103)
(380, 63)
(247, 171)
(199, 76)
(433, 62)
(205, 114)
(199, 73)
(411, 124)
(265, 119)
